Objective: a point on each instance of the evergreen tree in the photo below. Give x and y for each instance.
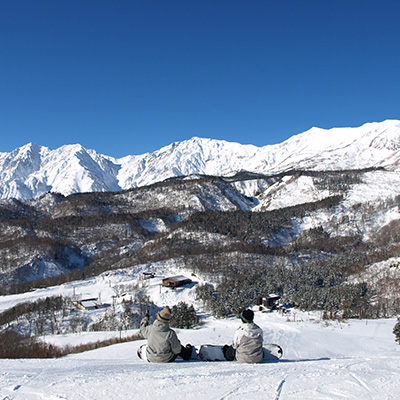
(183, 316)
(396, 330)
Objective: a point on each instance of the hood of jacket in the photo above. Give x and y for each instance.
(251, 330)
(160, 326)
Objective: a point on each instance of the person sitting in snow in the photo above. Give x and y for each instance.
(248, 341)
(163, 344)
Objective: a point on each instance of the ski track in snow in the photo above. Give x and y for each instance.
(279, 389)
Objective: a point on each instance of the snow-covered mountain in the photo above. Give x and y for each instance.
(316, 219)
(31, 170)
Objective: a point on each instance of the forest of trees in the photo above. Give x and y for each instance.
(243, 253)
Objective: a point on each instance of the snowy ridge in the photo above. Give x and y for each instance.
(32, 170)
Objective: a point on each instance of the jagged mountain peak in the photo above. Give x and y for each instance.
(29, 147)
(206, 146)
(32, 170)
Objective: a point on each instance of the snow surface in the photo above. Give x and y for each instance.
(322, 360)
(334, 361)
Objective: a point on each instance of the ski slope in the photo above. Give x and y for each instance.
(357, 359)
(351, 360)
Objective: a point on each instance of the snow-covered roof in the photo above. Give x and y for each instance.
(178, 278)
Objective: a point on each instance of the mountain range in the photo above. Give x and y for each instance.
(32, 170)
(316, 218)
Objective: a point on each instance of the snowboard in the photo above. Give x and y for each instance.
(141, 352)
(209, 352)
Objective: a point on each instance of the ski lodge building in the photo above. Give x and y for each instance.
(269, 302)
(175, 281)
(87, 304)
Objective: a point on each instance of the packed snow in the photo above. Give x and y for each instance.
(351, 359)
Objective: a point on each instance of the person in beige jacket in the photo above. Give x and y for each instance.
(163, 344)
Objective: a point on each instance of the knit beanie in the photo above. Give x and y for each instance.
(164, 315)
(247, 315)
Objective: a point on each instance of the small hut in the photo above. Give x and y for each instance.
(175, 281)
(87, 304)
(269, 302)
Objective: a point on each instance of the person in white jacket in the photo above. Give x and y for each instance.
(248, 340)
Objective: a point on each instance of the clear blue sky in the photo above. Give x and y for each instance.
(130, 76)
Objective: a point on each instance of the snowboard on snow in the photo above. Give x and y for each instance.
(272, 352)
(141, 352)
(209, 352)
